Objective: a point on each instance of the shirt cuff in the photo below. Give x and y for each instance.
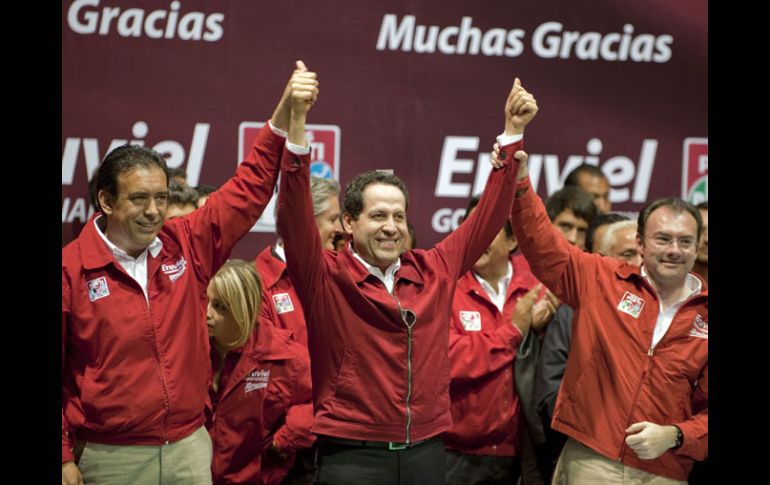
(277, 131)
(298, 150)
(504, 140)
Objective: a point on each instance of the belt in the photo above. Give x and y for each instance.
(389, 445)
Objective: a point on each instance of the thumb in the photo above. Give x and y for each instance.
(521, 156)
(301, 66)
(516, 82)
(636, 427)
(528, 300)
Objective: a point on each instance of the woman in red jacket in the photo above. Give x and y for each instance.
(260, 410)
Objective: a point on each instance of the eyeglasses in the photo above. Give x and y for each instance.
(662, 242)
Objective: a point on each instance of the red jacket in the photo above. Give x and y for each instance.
(137, 374)
(373, 377)
(482, 349)
(278, 292)
(613, 376)
(264, 396)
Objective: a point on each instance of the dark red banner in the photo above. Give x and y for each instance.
(417, 87)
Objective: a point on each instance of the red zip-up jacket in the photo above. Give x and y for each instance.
(375, 377)
(614, 377)
(137, 374)
(278, 292)
(482, 350)
(264, 396)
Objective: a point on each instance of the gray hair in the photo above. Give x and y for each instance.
(322, 189)
(608, 239)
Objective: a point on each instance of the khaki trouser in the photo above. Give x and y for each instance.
(186, 462)
(580, 465)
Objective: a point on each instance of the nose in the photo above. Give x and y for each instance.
(209, 311)
(337, 228)
(390, 226)
(152, 209)
(571, 236)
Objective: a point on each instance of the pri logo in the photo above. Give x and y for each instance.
(631, 304)
(257, 379)
(700, 328)
(283, 303)
(695, 170)
(471, 321)
(97, 288)
(324, 160)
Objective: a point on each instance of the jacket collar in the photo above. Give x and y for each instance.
(270, 267)
(407, 271)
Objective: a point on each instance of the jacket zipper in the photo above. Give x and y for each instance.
(645, 372)
(408, 363)
(160, 368)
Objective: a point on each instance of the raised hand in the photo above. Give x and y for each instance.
(304, 90)
(520, 109)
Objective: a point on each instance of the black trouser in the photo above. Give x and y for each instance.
(340, 462)
(481, 470)
(303, 471)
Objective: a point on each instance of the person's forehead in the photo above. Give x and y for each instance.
(568, 215)
(142, 178)
(383, 196)
(664, 219)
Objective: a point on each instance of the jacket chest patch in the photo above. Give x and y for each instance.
(258, 379)
(700, 328)
(283, 303)
(471, 321)
(97, 288)
(176, 270)
(631, 304)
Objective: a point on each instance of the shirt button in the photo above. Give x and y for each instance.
(295, 162)
(502, 156)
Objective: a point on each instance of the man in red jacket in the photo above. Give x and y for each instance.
(378, 317)
(634, 399)
(484, 338)
(135, 363)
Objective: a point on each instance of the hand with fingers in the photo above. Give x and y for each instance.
(520, 109)
(522, 312)
(70, 474)
(303, 86)
(650, 440)
(520, 155)
(543, 310)
(282, 114)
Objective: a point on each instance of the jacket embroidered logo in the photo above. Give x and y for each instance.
(97, 288)
(283, 303)
(471, 321)
(258, 379)
(631, 304)
(176, 270)
(700, 328)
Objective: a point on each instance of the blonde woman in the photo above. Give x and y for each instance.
(260, 411)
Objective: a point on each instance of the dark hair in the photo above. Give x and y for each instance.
(574, 198)
(599, 221)
(204, 189)
(472, 205)
(354, 192)
(676, 205)
(572, 178)
(177, 172)
(181, 194)
(121, 160)
(703, 205)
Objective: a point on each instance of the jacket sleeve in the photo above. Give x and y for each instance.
(696, 429)
(553, 361)
(297, 228)
(474, 355)
(457, 252)
(565, 269)
(66, 442)
(295, 433)
(234, 208)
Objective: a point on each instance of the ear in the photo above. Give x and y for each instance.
(512, 244)
(639, 241)
(105, 201)
(347, 222)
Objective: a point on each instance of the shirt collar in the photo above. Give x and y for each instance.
(155, 246)
(279, 251)
(691, 282)
(390, 270)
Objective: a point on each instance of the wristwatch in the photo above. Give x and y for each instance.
(679, 438)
